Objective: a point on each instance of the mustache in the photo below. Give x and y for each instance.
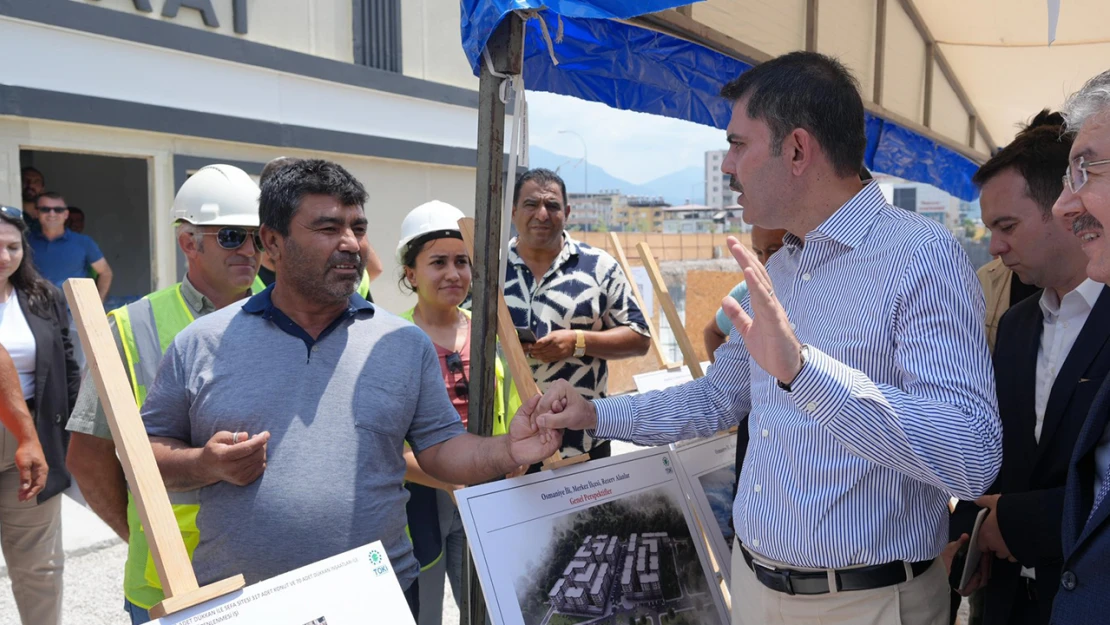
(735, 185)
(1086, 221)
(342, 258)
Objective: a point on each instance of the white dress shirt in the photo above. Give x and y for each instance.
(1063, 320)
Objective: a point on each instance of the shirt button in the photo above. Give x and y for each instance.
(755, 542)
(758, 488)
(793, 327)
(806, 277)
(766, 433)
(811, 406)
(1068, 580)
(315, 348)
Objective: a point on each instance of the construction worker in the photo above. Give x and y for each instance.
(266, 273)
(216, 217)
(437, 270)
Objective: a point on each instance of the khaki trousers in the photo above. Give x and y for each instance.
(31, 538)
(919, 601)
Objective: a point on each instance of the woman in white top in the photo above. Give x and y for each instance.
(34, 330)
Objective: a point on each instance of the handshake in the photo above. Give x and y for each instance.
(536, 431)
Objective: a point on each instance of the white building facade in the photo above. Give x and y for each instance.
(117, 102)
(717, 193)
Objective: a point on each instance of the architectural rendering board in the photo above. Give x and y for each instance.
(708, 469)
(351, 588)
(610, 539)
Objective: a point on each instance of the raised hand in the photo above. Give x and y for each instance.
(767, 334)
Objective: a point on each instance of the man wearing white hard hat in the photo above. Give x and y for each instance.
(216, 223)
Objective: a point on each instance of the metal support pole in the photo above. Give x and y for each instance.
(505, 47)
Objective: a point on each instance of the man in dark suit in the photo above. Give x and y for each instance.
(1084, 205)
(1049, 348)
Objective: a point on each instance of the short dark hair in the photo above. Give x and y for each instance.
(29, 169)
(810, 91)
(271, 168)
(543, 177)
(53, 195)
(283, 191)
(1039, 152)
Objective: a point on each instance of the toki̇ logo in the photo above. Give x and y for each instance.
(379, 562)
(667, 465)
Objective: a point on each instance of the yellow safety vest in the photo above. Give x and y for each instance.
(146, 329)
(363, 287)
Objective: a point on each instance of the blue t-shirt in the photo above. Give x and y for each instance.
(69, 256)
(738, 293)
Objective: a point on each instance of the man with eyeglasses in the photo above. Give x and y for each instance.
(216, 215)
(1084, 206)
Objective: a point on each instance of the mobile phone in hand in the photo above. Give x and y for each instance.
(525, 336)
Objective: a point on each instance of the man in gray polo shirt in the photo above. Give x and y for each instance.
(289, 413)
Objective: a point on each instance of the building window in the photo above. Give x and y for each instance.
(377, 34)
(906, 197)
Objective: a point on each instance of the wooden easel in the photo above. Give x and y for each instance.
(679, 331)
(656, 347)
(518, 364)
(175, 571)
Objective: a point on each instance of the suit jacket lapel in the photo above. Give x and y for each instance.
(43, 332)
(1079, 491)
(1092, 338)
(1023, 385)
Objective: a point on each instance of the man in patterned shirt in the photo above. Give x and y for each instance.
(573, 297)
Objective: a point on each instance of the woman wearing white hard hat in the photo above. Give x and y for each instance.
(437, 269)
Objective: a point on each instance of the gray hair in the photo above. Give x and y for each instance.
(188, 228)
(1092, 99)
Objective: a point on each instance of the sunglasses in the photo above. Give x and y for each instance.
(53, 209)
(233, 237)
(455, 365)
(12, 212)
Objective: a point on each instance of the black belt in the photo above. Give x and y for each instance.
(794, 582)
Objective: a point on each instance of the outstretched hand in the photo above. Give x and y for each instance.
(767, 334)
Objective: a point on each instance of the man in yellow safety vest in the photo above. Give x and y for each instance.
(216, 217)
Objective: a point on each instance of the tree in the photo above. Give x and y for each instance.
(670, 612)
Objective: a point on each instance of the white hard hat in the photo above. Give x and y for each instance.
(431, 220)
(218, 195)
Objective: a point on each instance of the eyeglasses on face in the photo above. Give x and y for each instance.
(233, 237)
(52, 209)
(1075, 176)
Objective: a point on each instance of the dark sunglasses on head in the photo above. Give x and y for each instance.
(455, 365)
(233, 237)
(11, 212)
(53, 209)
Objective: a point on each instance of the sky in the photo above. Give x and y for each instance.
(636, 147)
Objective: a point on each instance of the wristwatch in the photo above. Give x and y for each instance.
(803, 354)
(579, 343)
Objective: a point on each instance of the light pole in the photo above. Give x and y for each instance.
(585, 159)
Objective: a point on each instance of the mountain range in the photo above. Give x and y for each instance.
(680, 187)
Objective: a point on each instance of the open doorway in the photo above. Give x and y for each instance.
(113, 194)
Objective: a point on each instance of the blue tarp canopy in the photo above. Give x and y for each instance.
(636, 69)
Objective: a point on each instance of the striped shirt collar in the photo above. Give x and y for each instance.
(850, 223)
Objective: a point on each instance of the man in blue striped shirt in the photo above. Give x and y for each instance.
(859, 353)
